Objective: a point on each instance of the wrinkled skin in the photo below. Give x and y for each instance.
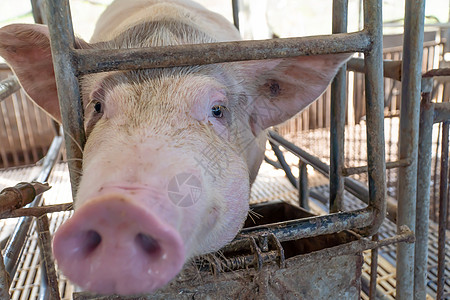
(149, 131)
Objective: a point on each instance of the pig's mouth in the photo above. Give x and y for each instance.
(115, 245)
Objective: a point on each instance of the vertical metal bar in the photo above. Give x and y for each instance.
(303, 190)
(373, 61)
(443, 208)
(62, 45)
(373, 271)
(235, 4)
(48, 264)
(423, 195)
(5, 281)
(409, 136)
(337, 121)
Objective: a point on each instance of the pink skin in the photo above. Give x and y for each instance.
(117, 224)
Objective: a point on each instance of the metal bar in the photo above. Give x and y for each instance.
(8, 87)
(373, 61)
(283, 164)
(303, 189)
(16, 242)
(20, 195)
(92, 60)
(389, 165)
(441, 112)
(5, 281)
(355, 187)
(373, 270)
(437, 72)
(48, 264)
(37, 211)
(423, 196)
(391, 68)
(443, 208)
(62, 45)
(235, 4)
(409, 136)
(308, 227)
(337, 120)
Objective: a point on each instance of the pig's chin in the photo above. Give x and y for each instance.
(114, 244)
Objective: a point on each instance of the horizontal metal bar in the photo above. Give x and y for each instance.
(389, 165)
(441, 112)
(37, 211)
(308, 227)
(391, 68)
(95, 60)
(20, 195)
(8, 87)
(437, 72)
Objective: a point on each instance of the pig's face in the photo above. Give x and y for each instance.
(169, 157)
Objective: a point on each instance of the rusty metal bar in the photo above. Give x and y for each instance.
(20, 195)
(441, 112)
(373, 61)
(8, 87)
(389, 165)
(373, 270)
(62, 44)
(443, 208)
(391, 68)
(36, 211)
(337, 120)
(235, 5)
(16, 242)
(409, 136)
(48, 265)
(303, 190)
(437, 72)
(92, 60)
(5, 281)
(423, 196)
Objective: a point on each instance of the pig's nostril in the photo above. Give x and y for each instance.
(148, 243)
(92, 240)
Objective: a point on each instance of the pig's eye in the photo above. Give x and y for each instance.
(98, 107)
(217, 111)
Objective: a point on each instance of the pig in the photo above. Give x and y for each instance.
(171, 153)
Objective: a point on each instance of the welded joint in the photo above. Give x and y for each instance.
(20, 195)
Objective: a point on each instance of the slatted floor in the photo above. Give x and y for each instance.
(270, 185)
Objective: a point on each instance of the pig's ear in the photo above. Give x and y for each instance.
(280, 88)
(26, 48)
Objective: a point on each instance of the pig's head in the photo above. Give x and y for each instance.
(169, 157)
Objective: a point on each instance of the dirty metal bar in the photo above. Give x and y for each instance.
(91, 60)
(17, 239)
(441, 112)
(409, 136)
(373, 61)
(337, 121)
(5, 281)
(443, 208)
(437, 72)
(283, 163)
(389, 165)
(62, 44)
(8, 87)
(423, 196)
(303, 190)
(355, 187)
(48, 264)
(37, 211)
(235, 4)
(391, 68)
(313, 226)
(20, 195)
(373, 270)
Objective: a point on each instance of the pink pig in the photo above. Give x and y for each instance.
(171, 153)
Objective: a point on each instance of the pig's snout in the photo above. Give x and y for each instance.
(114, 244)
